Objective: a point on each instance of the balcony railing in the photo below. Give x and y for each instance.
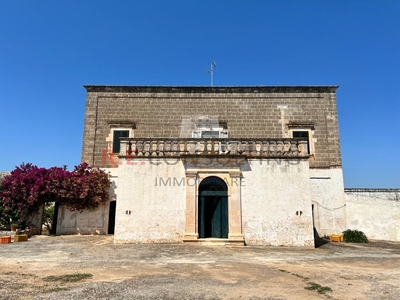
(174, 147)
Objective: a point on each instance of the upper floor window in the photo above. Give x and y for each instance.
(118, 131)
(203, 126)
(210, 133)
(304, 131)
(116, 146)
(302, 134)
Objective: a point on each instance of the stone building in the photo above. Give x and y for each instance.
(256, 165)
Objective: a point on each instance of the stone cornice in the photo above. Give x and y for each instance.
(371, 190)
(209, 89)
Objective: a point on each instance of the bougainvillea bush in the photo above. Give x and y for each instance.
(88, 188)
(28, 187)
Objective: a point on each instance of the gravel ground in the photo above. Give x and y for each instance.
(180, 271)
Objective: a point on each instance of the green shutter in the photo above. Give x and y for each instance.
(300, 134)
(213, 208)
(303, 134)
(117, 135)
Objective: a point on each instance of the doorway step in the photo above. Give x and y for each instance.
(220, 242)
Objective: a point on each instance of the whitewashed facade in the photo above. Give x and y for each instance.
(233, 165)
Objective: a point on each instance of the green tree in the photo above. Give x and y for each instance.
(48, 216)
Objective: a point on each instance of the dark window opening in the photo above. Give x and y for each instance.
(117, 135)
(210, 134)
(303, 134)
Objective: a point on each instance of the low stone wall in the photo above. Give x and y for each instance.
(376, 212)
(93, 221)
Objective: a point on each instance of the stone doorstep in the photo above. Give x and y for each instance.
(216, 242)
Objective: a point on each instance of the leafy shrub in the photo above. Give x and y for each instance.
(354, 236)
(48, 215)
(28, 187)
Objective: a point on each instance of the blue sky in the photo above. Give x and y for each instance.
(50, 49)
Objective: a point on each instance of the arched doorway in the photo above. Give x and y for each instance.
(213, 208)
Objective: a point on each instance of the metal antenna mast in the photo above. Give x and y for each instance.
(211, 71)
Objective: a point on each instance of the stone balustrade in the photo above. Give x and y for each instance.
(174, 147)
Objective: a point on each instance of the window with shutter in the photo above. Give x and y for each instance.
(116, 139)
(303, 134)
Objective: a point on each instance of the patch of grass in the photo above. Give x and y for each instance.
(27, 275)
(24, 275)
(69, 277)
(300, 276)
(10, 273)
(294, 274)
(57, 289)
(319, 288)
(354, 236)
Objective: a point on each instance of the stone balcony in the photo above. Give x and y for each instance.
(176, 147)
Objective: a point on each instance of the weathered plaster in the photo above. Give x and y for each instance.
(327, 196)
(151, 201)
(93, 221)
(269, 200)
(276, 203)
(85, 222)
(376, 212)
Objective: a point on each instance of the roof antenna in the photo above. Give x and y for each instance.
(211, 71)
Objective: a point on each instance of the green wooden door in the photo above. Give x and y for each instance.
(213, 209)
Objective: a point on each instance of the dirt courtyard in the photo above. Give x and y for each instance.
(178, 271)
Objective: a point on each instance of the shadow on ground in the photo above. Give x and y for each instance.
(318, 241)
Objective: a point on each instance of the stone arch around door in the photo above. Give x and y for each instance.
(203, 183)
(213, 208)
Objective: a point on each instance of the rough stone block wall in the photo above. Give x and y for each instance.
(248, 112)
(376, 212)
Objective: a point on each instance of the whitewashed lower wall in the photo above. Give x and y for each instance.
(376, 212)
(36, 219)
(327, 196)
(85, 222)
(93, 221)
(276, 202)
(151, 201)
(276, 206)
